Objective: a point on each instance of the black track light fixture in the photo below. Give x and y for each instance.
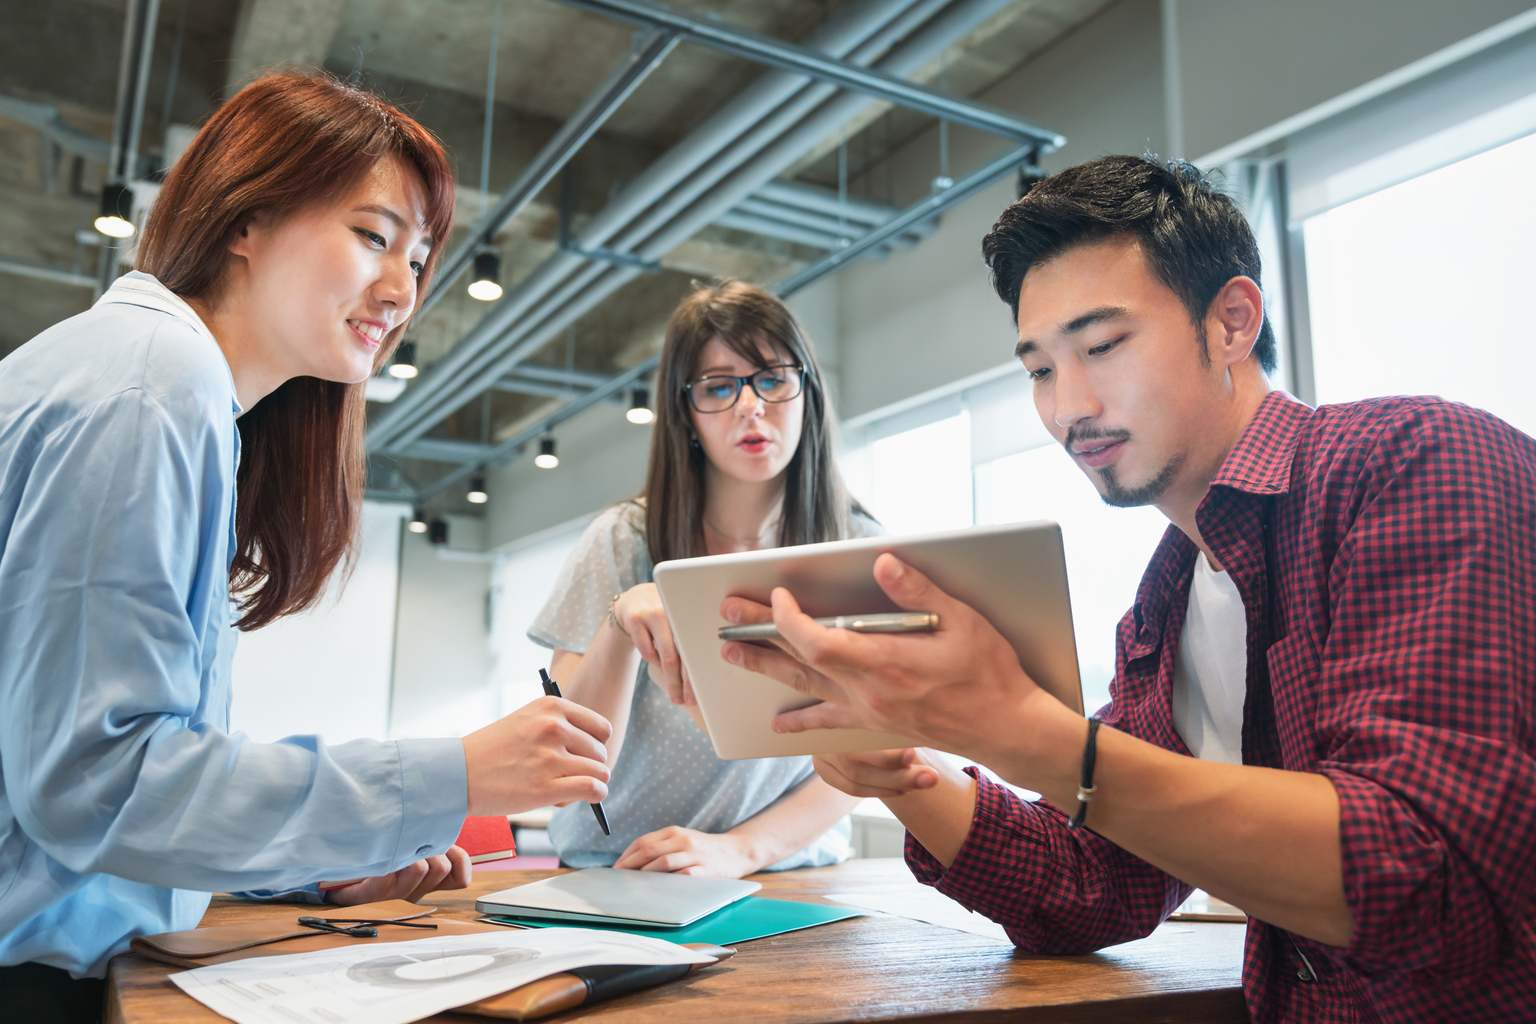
(115, 219)
(403, 365)
(486, 285)
(418, 523)
(546, 459)
(477, 493)
(640, 407)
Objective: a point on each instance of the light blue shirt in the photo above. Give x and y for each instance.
(124, 800)
(667, 772)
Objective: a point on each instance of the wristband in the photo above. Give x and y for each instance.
(1085, 787)
(613, 618)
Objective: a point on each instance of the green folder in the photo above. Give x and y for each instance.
(754, 917)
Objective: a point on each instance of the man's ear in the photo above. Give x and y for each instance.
(1233, 321)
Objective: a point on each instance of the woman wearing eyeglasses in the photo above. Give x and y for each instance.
(741, 459)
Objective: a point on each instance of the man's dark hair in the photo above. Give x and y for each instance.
(1192, 234)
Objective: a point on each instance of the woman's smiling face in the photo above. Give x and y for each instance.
(328, 283)
(753, 441)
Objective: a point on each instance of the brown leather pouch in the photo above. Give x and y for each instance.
(586, 985)
(283, 935)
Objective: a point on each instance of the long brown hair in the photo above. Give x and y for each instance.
(285, 143)
(816, 503)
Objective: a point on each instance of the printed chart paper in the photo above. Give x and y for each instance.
(397, 982)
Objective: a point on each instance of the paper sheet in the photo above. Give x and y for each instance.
(921, 903)
(397, 982)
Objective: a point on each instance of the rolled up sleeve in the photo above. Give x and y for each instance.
(1053, 889)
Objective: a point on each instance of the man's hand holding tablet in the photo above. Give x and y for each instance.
(944, 688)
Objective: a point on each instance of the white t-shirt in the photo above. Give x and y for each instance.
(1210, 675)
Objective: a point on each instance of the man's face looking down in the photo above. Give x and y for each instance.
(1119, 378)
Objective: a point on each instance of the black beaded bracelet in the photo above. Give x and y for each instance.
(1085, 787)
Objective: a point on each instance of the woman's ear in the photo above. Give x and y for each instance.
(249, 235)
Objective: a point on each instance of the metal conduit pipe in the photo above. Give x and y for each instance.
(846, 31)
(808, 197)
(772, 227)
(772, 128)
(592, 284)
(813, 219)
(841, 34)
(415, 422)
(947, 28)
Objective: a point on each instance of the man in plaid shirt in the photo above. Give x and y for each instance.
(1321, 709)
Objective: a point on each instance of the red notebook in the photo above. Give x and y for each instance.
(487, 838)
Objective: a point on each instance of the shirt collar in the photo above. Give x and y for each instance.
(136, 288)
(1260, 462)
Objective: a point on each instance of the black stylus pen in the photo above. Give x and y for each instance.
(552, 689)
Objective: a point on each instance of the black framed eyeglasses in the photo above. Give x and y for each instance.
(717, 393)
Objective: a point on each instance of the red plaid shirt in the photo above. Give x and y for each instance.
(1394, 651)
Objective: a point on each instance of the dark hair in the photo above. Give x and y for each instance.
(285, 143)
(1191, 234)
(816, 504)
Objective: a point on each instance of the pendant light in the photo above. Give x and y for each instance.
(546, 459)
(116, 208)
(404, 363)
(640, 407)
(487, 283)
(418, 523)
(477, 494)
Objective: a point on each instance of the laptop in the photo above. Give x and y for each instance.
(610, 896)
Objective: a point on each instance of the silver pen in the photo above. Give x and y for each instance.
(880, 622)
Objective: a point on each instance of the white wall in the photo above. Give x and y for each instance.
(327, 670)
(442, 659)
(1249, 64)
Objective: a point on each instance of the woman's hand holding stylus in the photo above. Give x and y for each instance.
(548, 751)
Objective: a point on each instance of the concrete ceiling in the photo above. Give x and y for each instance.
(431, 56)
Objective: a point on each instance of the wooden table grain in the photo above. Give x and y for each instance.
(866, 969)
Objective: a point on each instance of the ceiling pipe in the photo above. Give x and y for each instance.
(642, 59)
(825, 201)
(925, 209)
(803, 60)
(139, 20)
(591, 284)
(844, 32)
(928, 208)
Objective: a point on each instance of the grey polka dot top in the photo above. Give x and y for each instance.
(667, 772)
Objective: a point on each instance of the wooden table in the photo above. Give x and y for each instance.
(875, 968)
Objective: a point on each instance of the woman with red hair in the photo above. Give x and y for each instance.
(184, 460)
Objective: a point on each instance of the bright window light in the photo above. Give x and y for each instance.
(1416, 289)
(920, 480)
(1107, 548)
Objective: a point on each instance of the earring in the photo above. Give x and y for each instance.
(693, 442)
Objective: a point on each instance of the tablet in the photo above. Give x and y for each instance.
(651, 899)
(1015, 576)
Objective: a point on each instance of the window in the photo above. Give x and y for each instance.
(919, 481)
(922, 479)
(1417, 289)
(1107, 548)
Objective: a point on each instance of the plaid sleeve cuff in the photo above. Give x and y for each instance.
(1055, 890)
